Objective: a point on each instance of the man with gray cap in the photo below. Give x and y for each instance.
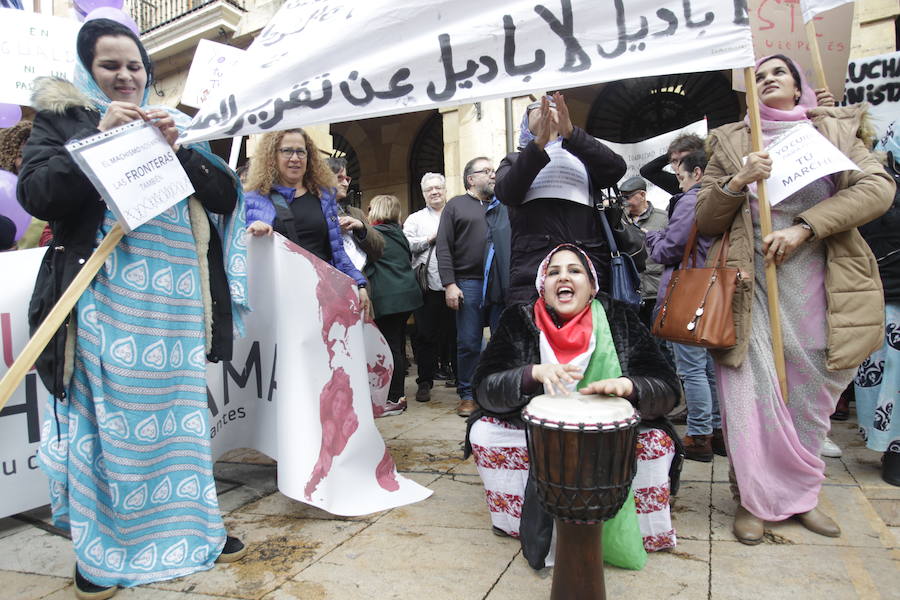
(648, 218)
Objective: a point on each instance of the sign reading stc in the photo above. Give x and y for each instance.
(332, 61)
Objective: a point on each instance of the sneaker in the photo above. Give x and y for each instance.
(698, 447)
(830, 449)
(441, 375)
(234, 550)
(423, 394)
(451, 382)
(394, 407)
(466, 407)
(718, 443)
(85, 590)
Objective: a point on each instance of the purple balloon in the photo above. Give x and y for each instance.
(10, 114)
(87, 6)
(114, 14)
(9, 206)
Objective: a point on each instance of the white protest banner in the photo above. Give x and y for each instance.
(23, 485)
(212, 61)
(564, 178)
(876, 80)
(800, 157)
(638, 154)
(778, 28)
(303, 387)
(135, 170)
(328, 62)
(33, 45)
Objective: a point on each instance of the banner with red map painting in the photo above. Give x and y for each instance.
(304, 386)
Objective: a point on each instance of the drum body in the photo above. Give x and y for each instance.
(582, 451)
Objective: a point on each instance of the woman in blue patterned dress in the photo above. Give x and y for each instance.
(125, 440)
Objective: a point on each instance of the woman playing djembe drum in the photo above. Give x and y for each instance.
(547, 347)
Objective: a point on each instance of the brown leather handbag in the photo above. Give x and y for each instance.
(697, 309)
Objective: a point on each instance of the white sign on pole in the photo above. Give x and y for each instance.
(135, 170)
(212, 61)
(799, 157)
(303, 387)
(811, 8)
(33, 45)
(638, 154)
(337, 61)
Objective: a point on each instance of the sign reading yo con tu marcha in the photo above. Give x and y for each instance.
(800, 157)
(135, 171)
(332, 61)
(33, 45)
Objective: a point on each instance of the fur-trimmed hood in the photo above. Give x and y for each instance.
(57, 95)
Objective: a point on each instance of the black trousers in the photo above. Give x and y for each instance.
(393, 328)
(435, 335)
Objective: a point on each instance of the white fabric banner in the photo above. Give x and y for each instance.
(297, 388)
(638, 154)
(336, 61)
(800, 157)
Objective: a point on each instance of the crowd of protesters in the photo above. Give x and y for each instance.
(528, 261)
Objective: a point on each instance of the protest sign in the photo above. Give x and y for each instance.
(337, 61)
(564, 177)
(33, 45)
(876, 80)
(800, 157)
(211, 63)
(303, 387)
(134, 169)
(638, 154)
(778, 28)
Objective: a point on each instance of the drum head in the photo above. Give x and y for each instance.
(576, 411)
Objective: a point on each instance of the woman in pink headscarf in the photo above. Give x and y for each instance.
(831, 300)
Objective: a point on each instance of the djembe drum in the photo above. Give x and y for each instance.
(582, 454)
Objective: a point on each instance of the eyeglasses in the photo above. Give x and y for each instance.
(485, 171)
(432, 188)
(289, 152)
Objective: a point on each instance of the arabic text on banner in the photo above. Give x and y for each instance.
(354, 60)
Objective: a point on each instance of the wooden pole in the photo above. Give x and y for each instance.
(819, 70)
(765, 225)
(57, 316)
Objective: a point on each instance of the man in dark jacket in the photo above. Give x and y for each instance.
(463, 236)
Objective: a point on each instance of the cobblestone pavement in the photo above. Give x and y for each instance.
(442, 548)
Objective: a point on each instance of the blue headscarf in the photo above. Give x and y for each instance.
(231, 228)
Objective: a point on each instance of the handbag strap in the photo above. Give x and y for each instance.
(613, 249)
(689, 259)
(284, 214)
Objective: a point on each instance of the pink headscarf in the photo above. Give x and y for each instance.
(545, 264)
(798, 113)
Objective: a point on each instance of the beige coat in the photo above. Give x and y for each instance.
(855, 303)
